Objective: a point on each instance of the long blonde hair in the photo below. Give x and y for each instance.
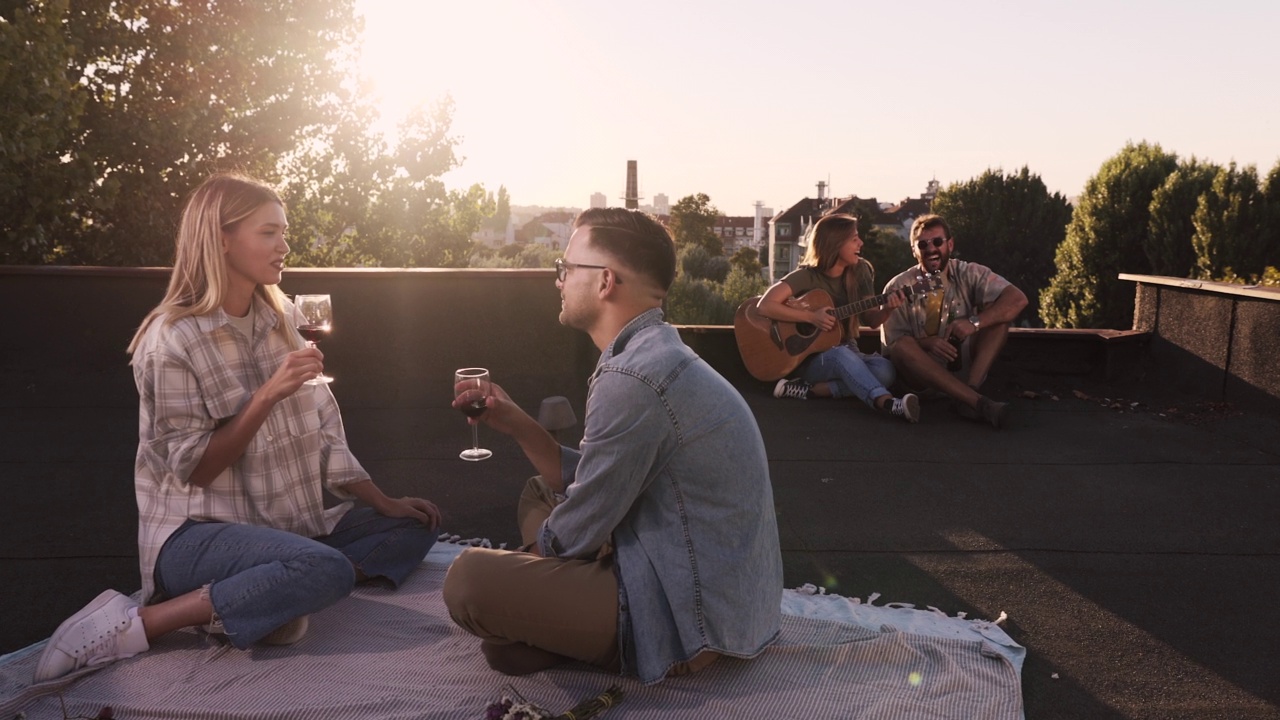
(198, 283)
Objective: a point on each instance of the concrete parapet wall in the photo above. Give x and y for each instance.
(397, 336)
(1217, 340)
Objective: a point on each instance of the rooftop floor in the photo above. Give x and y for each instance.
(1126, 542)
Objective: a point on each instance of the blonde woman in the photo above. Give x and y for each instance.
(234, 453)
(833, 263)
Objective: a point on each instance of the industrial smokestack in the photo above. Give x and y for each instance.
(633, 187)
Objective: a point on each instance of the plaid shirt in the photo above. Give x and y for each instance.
(193, 374)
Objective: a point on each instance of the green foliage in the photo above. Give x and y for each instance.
(748, 259)
(40, 107)
(694, 301)
(518, 256)
(1271, 217)
(699, 300)
(1010, 223)
(695, 262)
(1228, 224)
(887, 252)
(693, 219)
(162, 94)
(1168, 245)
(502, 211)
(741, 284)
(1106, 236)
(1270, 277)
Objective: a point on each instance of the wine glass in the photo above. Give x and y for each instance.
(473, 386)
(315, 318)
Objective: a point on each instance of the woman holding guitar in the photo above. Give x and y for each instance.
(833, 264)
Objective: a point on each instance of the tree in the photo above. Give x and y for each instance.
(741, 284)
(694, 301)
(748, 259)
(1271, 219)
(887, 252)
(175, 91)
(1168, 243)
(502, 212)
(693, 219)
(694, 261)
(41, 106)
(1228, 222)
(1106, 236)
(1010, 223)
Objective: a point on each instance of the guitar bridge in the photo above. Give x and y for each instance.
(775, 335)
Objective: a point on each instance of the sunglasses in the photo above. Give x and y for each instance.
(923, 245)
(564, 266)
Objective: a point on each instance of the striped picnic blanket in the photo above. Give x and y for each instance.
(396, 654)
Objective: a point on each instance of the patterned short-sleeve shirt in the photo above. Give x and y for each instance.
(968, 287)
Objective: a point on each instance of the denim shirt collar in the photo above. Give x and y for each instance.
(646, 319)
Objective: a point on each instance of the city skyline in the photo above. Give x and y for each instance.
(752, 101)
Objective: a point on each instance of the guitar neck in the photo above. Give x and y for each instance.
(854, 308)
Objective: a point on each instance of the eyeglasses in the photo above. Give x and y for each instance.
(564, 266)
(923, 245)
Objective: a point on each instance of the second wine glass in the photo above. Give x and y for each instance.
(472, 386)
(315, 318)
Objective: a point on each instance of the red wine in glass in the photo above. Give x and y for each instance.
(472, 386)
(313, 333)
(314, 319)
(474, 407)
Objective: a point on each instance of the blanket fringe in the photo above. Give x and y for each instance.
(471, 542)
(811, 589)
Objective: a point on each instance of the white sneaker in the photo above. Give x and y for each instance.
(906, 407)
(103, 631)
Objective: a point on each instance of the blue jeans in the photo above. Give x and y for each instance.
(261, 578)
(850, 372)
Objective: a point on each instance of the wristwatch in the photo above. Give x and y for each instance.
(973, 320)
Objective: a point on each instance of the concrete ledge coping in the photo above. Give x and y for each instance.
(1065, 334)
(1253, 291)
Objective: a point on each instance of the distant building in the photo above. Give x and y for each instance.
(789, 226)
(661, 205)
(550, 229)
(598, 200)
(736, 233)
(494, 237)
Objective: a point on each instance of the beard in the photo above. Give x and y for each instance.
(577, 315)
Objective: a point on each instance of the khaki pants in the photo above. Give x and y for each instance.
(568, 607)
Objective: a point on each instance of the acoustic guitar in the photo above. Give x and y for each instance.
(771, 349)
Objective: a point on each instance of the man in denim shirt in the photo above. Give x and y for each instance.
(653, 548)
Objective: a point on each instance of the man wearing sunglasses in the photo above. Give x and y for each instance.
(652, 548)
(946, 340)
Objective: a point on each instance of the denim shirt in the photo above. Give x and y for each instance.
(673, 470)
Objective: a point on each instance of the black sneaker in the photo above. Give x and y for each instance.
(797, 389)
(906, 407)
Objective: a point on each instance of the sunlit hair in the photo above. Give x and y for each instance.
(926, 222)
(635, 238)
(829, 234)
(198, 283)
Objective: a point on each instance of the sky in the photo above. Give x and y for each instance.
(747, 100)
